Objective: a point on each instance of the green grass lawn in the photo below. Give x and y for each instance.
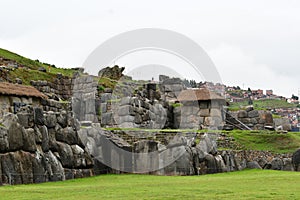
(247, 184)
(267, 140)
(262, 104)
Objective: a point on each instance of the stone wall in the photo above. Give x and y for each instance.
(12, 103)
(200, 115)
(83, 99)
(170, 88)
(173, 154)
(254, 119)
(132, 112)
(38, 146)
(61, 87)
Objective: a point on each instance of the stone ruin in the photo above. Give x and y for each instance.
(38, 146)
(62, 137)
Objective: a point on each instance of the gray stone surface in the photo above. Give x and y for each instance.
(296, 160)
(253, 165)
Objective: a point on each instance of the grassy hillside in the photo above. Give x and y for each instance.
(266, 141)
(247, 184)
(262, 104)
(28, 69)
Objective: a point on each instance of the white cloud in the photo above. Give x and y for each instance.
(238, 68)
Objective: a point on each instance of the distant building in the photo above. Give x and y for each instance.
(269, 92)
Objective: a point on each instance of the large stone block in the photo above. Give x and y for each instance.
(126, 110)
(67, 135)
(242, 114)
(66, 155)
(50, 119)
(4, 144)
(107, 118)
(38, 116)
(204, 112)
(253, 114)
(15, 136)
(215, 112)
(29, 143)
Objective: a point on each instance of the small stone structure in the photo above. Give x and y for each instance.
(14, 96)
(200, 109)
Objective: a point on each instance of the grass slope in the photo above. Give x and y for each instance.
(247, 184)
(267, 140)
(30, 68)
(262, 104)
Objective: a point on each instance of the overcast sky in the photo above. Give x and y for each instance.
(253, 44)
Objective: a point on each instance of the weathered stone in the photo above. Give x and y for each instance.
(15, 136)
(204, 113)
(67, 135)
(4, 144)
(127, 118)
(296, 160)
(267, 117)
(277, 164)
(126, 110)
(103, 108)
(105, 97)
(107, 118)
(66, 155)
(45, 139)
(214, 112)
(29, 143)
(50, 119)
(54, 167)
(287, 164)
(62, 119)
(23, 119)
(253, 165)
(253, 114)
(207, 144)
(242, 114)
(38, 116)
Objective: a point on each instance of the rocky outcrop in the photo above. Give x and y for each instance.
(37, 146)
(114, 73)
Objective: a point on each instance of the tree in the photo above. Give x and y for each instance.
(295, 97)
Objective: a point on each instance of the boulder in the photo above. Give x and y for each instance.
(296, 160)
(50, 119)
(67, 135)
(276, 164)
(4, 144)
(29, 143)
(65, 155)
(15, 136)
(207, 144)
(242, 114)
(253, 114)
(38, 116)
(253, 165)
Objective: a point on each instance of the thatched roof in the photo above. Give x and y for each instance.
(19, 90)
(201, 94)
